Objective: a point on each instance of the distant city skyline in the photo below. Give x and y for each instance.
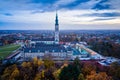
(73, 14)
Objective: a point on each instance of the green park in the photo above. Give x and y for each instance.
(7, 50)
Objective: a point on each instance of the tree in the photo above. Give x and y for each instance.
(76, 61)
(56, 74)
(8, 71)
(24, 64)
(35, 61)
(65, 74)
(48, 75)
(37, 77)
(103, 76)
(87, 68)
(40, 75)
(91, 76)
(81, 77)
(40, 62)
(70, 72)
(98, 76)
(48, 63)
(14, 75)
(115, 70)
(117, 73)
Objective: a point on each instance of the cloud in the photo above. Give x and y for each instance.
(58, 5)
(101, 5)
(52, 5)
(107, 4)
(102, 19)
(61, 3)
(13, 5)
(43, 1)
(47, 5)
(76, 3)
(114, 4)
(87, 5)
(112, 14)
(8, 14)
(37, 11)
(44, 5)
(41, 13)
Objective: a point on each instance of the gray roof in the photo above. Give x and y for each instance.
(41, 47)
(43, 39)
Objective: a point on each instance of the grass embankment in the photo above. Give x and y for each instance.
(7, 50)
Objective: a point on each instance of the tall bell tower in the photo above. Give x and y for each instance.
(56, 29)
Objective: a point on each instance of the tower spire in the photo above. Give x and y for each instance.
(56, 20)
(56, 29)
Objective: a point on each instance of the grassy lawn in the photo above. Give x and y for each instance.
(7, 50)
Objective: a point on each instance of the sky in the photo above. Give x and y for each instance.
(72, 14)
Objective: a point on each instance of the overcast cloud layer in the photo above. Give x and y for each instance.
(73, 14)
